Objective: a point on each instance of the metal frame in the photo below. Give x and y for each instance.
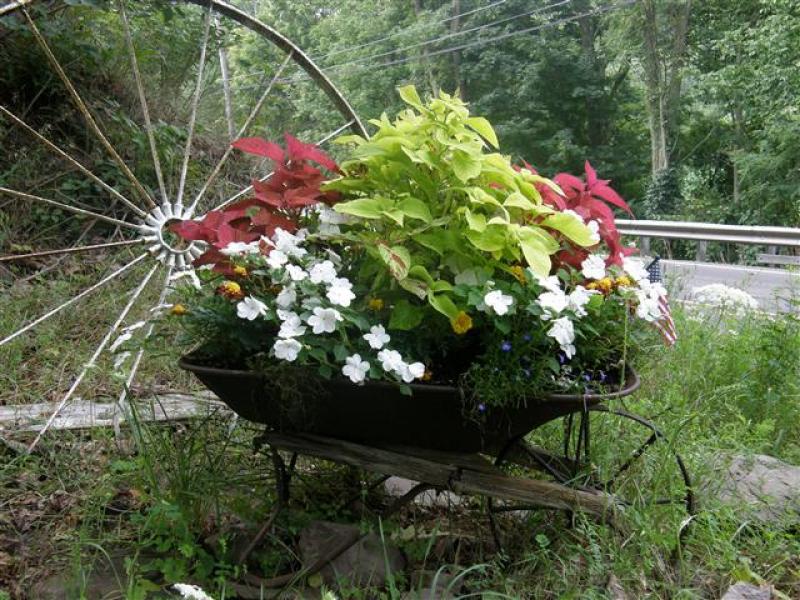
(736, 234)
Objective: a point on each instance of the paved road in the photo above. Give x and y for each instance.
(771, 287)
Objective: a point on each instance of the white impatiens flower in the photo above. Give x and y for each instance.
(635, 268)
(276, 259)
(594, 230)
(594, 267)
(355, 368)
(191, 592)
(498, 302)
(324, 272)
(563, 332)
(251, 308)
(286, 298)
(324, 320)
(340, 292)
(296, 273)
(410, 372)
(239, 248)
(292, 326)
(377, 337)
(552, 303)
(391, 361)
(579, 298)
(329, 221)
(551, 283)
(287, 349)
(288, 243)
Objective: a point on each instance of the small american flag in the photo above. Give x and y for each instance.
(665, 325)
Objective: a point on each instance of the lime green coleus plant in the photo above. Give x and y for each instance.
(434, 199)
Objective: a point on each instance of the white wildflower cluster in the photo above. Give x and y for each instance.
(191, 592)
(310, 303)
(724, 297)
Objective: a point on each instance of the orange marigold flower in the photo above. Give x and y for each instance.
(605, 285)
(240, 271)
(519, 273)
(231, 290)
(461, 323)
(375, 304)
(179, 310)
(623, 281)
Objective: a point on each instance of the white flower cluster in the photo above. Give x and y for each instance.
(725, 297)
(192, 592)
(562, 309)
(299, 308)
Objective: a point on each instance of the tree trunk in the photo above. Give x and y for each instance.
(663, 76)
(426, 63)
(455, 25)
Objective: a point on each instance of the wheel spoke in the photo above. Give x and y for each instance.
(72, 161)
(195, 101)
(12, 257)
(226, 84)
(84, 110)
(67, 207)
(143, 101)
(91, 362)
(249, 188)
(250, 118)
(631, 459)
(74, 299)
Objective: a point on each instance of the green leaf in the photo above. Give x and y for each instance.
(438, 241)
(405, 316)
(420, 272)
(571, 228)
(410, 96)
(492, 239)
(415, 286)
(476, 221)
(415, 208)
(517, 200)
(340, 352)
(465, 167)
(483, 128)
(395, 215)
(366, 208)
(397, 259)
(443, 304)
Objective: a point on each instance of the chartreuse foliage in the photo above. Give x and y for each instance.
(435, 199)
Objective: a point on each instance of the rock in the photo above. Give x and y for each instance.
(367, 562)
(769, 487)
(102, 582)
(398, 486)
(748, 591)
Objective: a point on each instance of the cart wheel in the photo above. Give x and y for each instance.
(178, 81)
(602, 449)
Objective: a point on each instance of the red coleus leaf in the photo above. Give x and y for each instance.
(610, 196)
(260, 147)
(297, 150)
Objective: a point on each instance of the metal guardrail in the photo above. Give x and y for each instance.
(711, 232)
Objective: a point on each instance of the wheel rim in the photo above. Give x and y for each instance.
(144, 208)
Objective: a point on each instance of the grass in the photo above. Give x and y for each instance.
(175, 502)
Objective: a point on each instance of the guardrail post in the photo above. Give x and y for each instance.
(644, 246)
(700, 253)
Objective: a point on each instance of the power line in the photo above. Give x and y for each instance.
(454, 34)
(598, 11)
(401, 32)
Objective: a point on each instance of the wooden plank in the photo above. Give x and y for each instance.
(426, 467)
(778, 259)
(86, 414)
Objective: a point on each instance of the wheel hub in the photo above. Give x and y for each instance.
(165, 245)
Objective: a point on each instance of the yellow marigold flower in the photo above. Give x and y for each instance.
(375, 304)
(179, 310)
(461, 323)
(240, 271)
(593, 285)
(519, 273)
(231, 290)
(605, 285)
(624, 281)
(427, 375)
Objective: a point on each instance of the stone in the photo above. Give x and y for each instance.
(767, 487)
(433, 585)
(398, 486)
(748, 591)
(615, 589)
(368, 562)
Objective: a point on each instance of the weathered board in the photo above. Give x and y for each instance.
(86, 414)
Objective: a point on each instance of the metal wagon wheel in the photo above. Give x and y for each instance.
(606, 449)
(221, 73)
